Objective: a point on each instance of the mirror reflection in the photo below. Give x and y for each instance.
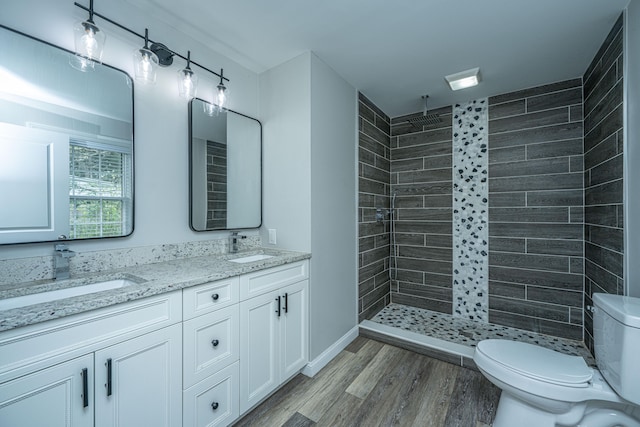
(226, 169)
(66, 145)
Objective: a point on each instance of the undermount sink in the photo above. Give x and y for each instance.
(251, 258)
(37, 298)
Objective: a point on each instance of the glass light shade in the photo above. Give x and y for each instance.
(187, 84)
(210, 109)
(222, 96)
(145, 64)
(89, 40)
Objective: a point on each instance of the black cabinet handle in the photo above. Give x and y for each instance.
(108, 385)
(278, 310)
(85, 388)
(215, 343)
(214, 405)
(286, 302)
(215, 297)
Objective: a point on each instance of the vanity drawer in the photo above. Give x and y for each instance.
(209, 297)
(214, 401)
(260, 282)
(211, 342)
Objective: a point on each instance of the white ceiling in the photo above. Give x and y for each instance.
(396, 51)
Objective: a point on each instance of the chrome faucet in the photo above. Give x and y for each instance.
(233, 241)
(61, 261)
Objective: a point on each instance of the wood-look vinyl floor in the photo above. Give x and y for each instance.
(375, 384)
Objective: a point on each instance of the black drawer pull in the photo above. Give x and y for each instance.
(215, 343)
(214, 405)
(278, 310)
(108, 377)
(215, 297)
(85, 388)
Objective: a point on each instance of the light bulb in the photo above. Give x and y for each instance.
(89, 40)
(187, 84)
(221, 96)
(145, 63)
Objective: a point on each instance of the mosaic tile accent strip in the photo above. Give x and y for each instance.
(470, 211)
(469, 332)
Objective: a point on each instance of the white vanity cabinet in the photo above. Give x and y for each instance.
(273, 329)
(211, 351)
(58, 373)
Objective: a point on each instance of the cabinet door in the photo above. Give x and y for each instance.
(143, 385)
(52, 397)
(294, 329)
(259, 335)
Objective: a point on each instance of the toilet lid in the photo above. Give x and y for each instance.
(537, 362)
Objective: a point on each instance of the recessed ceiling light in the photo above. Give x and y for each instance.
(463, 79)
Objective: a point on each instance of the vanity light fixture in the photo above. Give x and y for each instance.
(89, 42)
(464, 79)
(147, 59)
(145, 62)
(187, 81)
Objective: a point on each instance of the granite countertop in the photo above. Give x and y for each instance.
(150, 279)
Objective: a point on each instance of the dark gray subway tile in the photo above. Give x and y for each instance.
(536, 231)
(529, 261)
(510, 290)
(437, 162)
(410, 276)
(424, 291)
(375, 133)
(438, 201)
(609, 238)
(365, 200)
(501, 244)
(506, 109)
(370, 229)
(424, 150)
(439, 240)
(368, 143)
(555, 198)
(507, 199)
(366, 156)
(555, 99)
(530, 120)
(612, 261)
(373, 106)
(605, 194)
(608, 126)
(374, 255)
(370, 271)
(383, 125)
(607, 171)
(610, 101)
(431, 175)
(555, 296)
(606, 215)
(530, 167)
(408, 201)
(422, 138)
(365, 112)
(432, 266)
(541, 182)
(537, 90)
(576, 113)
(374, 187)
(535, 135)
(430, 227)
(604, 150)
(425, 214)
(375, 174)
(576, 164)
(576, 265)
(426, 253)
(423, 188)
(383, 163)
(531, 308)
(435, 279)
(409, 239)
(375, 295)
(529, 215)
(536, 324)
(427, 304)
(406, 165)
(555, 247)
(569, 147)
(537, 277)
(508, 154)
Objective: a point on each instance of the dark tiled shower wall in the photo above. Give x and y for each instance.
(373, 192)
(216, 185)
(603, 177)
(536, 209)
(421, 178)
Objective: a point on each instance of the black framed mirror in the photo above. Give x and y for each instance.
(66, 145)
(225, 164)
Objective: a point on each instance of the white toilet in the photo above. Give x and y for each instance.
(544, 388)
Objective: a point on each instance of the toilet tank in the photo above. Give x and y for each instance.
(616, 333)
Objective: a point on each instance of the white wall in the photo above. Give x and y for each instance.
(285, 96)
(333, 311)
(309, 118)
(632, 149)
(161, 125)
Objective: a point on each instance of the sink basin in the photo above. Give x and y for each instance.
(251, 258)
(37, 298)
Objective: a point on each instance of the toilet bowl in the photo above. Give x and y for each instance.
(545, 388)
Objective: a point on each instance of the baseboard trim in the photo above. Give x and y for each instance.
(326, 356)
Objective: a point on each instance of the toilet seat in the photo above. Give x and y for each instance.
(537, 363)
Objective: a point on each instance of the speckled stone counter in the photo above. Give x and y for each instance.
(150, 279)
